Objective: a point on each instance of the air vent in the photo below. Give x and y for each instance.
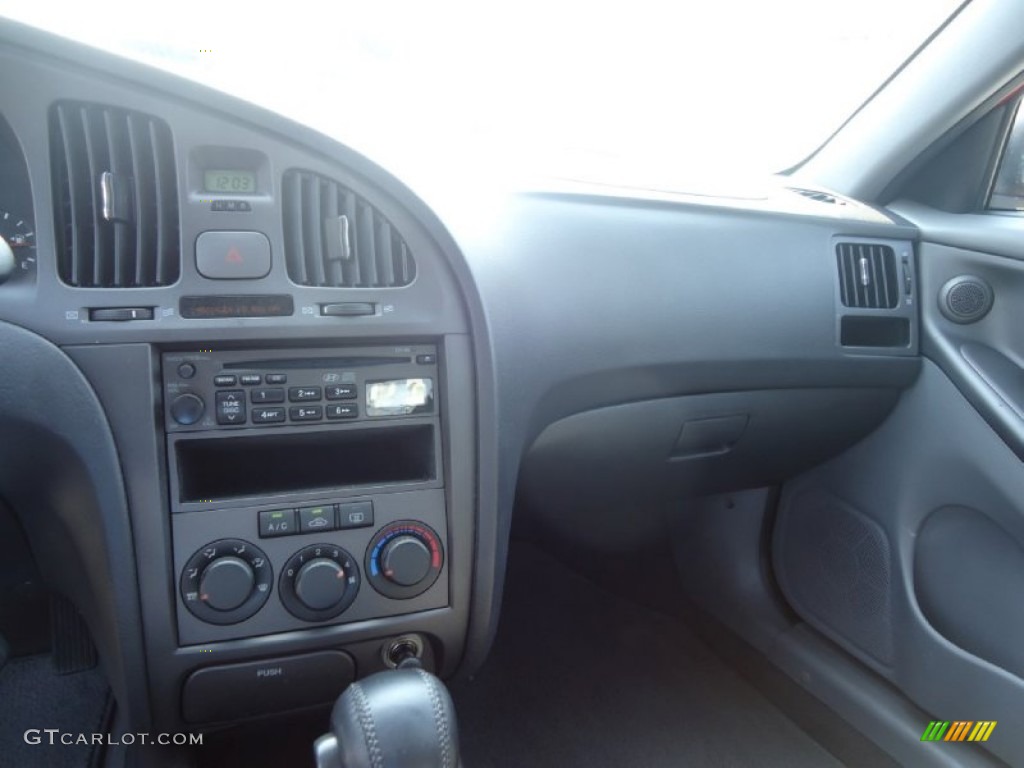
(867, 275)
(818, 196)
(334, 238)
(115, 196)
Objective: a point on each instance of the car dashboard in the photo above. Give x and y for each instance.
(267, 413)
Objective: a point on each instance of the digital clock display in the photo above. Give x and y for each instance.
(230, 182)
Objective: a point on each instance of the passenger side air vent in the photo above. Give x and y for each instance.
(334, 238)
(867, 275)
(115, 197)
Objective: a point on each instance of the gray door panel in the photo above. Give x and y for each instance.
(908, 550)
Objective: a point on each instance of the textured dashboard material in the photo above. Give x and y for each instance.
(549, 305)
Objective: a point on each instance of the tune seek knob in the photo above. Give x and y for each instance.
(226, 583)
(320, 583)
(405, 561)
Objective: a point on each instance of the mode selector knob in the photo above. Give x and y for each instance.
(405, 560)
(320, 583)
(187, 409)
(226, 583)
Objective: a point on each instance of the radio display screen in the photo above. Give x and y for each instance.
(399, 397)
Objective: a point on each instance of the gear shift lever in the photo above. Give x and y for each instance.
(402, 718)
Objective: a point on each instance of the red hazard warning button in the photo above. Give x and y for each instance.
(233, 255)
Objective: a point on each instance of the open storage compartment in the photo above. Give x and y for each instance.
(217, 468)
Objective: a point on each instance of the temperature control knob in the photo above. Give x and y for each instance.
(319, 582)
(404, 559)
(226, 582)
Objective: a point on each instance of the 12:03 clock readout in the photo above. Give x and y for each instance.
(230, 182)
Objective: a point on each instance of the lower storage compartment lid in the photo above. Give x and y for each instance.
(267, 686)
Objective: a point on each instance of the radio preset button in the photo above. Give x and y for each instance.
(267, 415)
(250, 379)
(306, 413)
(276, 378)
(303, 394)
(343, 411)
(313, 519)
(267, 395)
(358, 514)
(224, 380)
(231, 407)
(277, 522)
(342, 392)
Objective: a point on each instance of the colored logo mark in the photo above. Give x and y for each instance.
(959, 730)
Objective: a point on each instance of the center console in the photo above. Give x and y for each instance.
(306, 487)
(255, 465)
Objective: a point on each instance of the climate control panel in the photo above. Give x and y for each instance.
(304, 572)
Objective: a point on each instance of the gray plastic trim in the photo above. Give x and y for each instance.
(60, 473)
(935, 450)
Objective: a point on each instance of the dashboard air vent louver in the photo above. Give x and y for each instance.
(334, 238)
(867, 275)
(115, 197)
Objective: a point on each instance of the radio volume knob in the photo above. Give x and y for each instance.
(187, 409)
(405, 560)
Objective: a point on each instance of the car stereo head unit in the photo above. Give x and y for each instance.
(233, 390)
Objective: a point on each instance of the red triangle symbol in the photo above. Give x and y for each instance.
(234, 256)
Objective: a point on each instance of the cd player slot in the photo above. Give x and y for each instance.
(318, 363)
(218, 468)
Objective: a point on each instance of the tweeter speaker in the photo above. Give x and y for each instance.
(965, 299)
(833, 564)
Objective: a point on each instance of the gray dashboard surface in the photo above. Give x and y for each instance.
(573, 301)
(593, 301)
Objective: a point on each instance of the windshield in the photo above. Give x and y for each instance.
(644, 90)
